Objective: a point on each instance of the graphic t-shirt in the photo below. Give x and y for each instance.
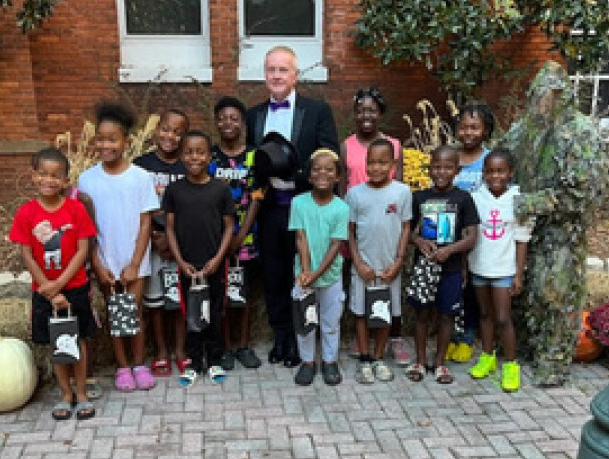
(53, 237)
(198, 210)
(378, 214)
(469, 177)
(321, 224)
(163, 173)
(442, 217)
(238, 173)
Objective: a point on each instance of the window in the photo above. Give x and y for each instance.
(264, 24)
(164, 40)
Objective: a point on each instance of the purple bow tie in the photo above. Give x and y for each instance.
(277, 105)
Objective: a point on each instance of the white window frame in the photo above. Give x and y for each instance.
(164, 58)
(309, 50)
(595, 79)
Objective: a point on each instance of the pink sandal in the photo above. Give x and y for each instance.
(124, 381)
(143, 378)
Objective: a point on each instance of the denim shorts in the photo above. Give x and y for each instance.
(505, 282)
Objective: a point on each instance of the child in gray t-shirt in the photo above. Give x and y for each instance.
(379, 224)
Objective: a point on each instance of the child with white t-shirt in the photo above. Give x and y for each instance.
(124, 197)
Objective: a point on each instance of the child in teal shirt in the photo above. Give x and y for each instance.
(321, 222)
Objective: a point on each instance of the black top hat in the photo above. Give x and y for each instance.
(275, 157)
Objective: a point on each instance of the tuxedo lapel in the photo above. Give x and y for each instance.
(260, 122)
(299, 112)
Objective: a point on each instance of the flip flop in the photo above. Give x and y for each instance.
(161, 367)
(62, 411)
(84, 410)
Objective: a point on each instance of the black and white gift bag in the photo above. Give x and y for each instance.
(236, 288)
(304, 310)
(198, 305)
(122, 315)
(170, 283)
(63, 333)
(424, 280)
(377, 300)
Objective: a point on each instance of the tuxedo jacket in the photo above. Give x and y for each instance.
(312, 128)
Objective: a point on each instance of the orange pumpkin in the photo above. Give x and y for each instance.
(587, 348)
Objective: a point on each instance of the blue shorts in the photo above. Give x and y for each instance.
(505, 282)
(448, 297)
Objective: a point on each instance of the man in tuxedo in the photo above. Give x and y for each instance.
(309, 125)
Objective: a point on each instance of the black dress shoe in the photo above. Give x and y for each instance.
(291, 358)
(276, 354)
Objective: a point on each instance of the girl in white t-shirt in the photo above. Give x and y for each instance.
(497, 265)
(124, 197)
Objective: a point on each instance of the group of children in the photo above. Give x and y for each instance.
(186, 212)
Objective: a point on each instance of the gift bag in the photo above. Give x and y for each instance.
(304, 310)
(63, 333)
(122, 313)
(197, 305)
(170, 284)
(236, 293)
(424, 280)
(377, 300)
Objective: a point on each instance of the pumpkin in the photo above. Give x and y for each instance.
(587, 348)
(18, 374)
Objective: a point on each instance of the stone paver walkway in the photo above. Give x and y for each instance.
(262, 414)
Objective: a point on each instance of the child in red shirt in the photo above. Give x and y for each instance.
(53, 233)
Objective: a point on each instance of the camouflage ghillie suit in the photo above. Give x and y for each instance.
(562, 172)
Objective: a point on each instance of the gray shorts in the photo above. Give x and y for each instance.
(357, 292)
(154, 294)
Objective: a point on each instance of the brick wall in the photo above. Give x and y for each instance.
(51, 79)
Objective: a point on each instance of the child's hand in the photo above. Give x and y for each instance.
(104, 276)
(235, 244)
(441, 255)
(129, 274)
(516, 287)
(389, 274)
(305, 279)
(211, 266)
(187, 269)
(60, 302)
(425, 246)
(49, 289)
(365, 272)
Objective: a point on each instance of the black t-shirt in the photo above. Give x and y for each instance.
(162, 172)
(198, 210)
(442, 217)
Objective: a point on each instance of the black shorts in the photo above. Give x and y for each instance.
(81, 308)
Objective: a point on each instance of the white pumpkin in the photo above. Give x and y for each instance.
(18, 374)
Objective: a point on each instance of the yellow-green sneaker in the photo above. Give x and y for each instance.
(487, 363)
(450, 351)
(510, 376)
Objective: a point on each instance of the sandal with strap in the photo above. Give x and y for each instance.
(161, 367)
(62, 411)
(443, 375)
(183, 364)
(415, 372)
(84, 410)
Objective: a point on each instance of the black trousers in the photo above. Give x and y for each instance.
(277, 250)
(210, 339)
